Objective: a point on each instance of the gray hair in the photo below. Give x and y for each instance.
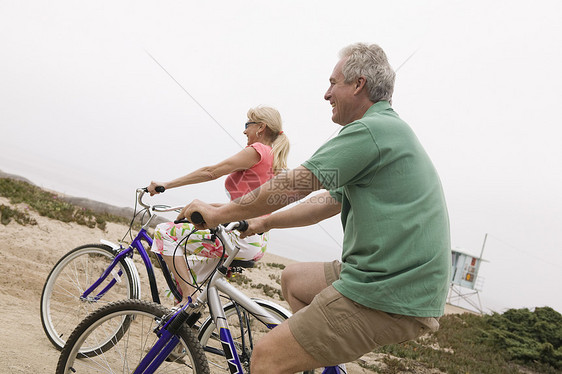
(371, 62)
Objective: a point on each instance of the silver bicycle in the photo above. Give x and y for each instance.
(134, 336)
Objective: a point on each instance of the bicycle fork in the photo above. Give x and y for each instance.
(159, 352)
(168, 339)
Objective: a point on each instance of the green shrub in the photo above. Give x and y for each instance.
(276, 265)
(528, 337)
(7, 214)
(496, 343)
(52, 206)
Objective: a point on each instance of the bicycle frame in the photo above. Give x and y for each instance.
(128, 252)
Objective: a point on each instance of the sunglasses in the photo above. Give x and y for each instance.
(248, 124)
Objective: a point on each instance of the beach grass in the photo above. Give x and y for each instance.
(49, 205)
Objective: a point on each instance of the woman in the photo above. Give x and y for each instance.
(264, 156)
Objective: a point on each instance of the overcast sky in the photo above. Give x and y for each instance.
(88, 107)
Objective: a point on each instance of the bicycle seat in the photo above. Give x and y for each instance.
(243, 264)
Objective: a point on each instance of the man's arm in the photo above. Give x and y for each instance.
(278, 192)
(313, 210)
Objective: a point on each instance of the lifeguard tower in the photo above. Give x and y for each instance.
(465, 282)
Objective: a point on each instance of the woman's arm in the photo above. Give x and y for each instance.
(243, 160)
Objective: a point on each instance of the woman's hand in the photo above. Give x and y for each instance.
(255, 226)
(152, 187)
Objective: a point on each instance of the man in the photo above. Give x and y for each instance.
(393, 277)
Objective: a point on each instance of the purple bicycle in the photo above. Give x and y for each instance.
(94, 275)
(91, 277)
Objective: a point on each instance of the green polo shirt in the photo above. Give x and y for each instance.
(396, 249)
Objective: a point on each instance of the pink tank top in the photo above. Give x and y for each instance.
(239, 183)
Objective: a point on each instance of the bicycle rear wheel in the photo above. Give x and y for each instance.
(246, 330)
(61, 306)
(134, 342)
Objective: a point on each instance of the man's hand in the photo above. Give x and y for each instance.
(208, 211)
(255, 226)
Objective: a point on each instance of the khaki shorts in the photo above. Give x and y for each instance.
(334, 329)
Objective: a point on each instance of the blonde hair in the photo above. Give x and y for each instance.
(280, 142)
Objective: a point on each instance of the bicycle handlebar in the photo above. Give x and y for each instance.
(159, 189)
(240, 225)
(155, 208)
(196, 217)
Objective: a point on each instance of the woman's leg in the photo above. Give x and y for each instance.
(192, 273)
(167, 236)
(204, 253)
(178, 267)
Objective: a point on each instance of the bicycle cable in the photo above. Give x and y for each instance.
(135, 215)
(129, 231)
(196, 285)
(177, 273)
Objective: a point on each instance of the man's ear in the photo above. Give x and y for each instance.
(360, 84)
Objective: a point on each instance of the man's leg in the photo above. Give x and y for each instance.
(301, 282)
(279, 352)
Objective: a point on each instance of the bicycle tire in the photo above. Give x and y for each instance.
(127, 352)
(209, 339)
(61, 306)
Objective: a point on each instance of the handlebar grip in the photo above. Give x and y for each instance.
(242, 226)
(197, 218)
(158, 189)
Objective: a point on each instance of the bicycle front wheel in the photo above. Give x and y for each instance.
(134, 342)
(61, 306)
(245, 329)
